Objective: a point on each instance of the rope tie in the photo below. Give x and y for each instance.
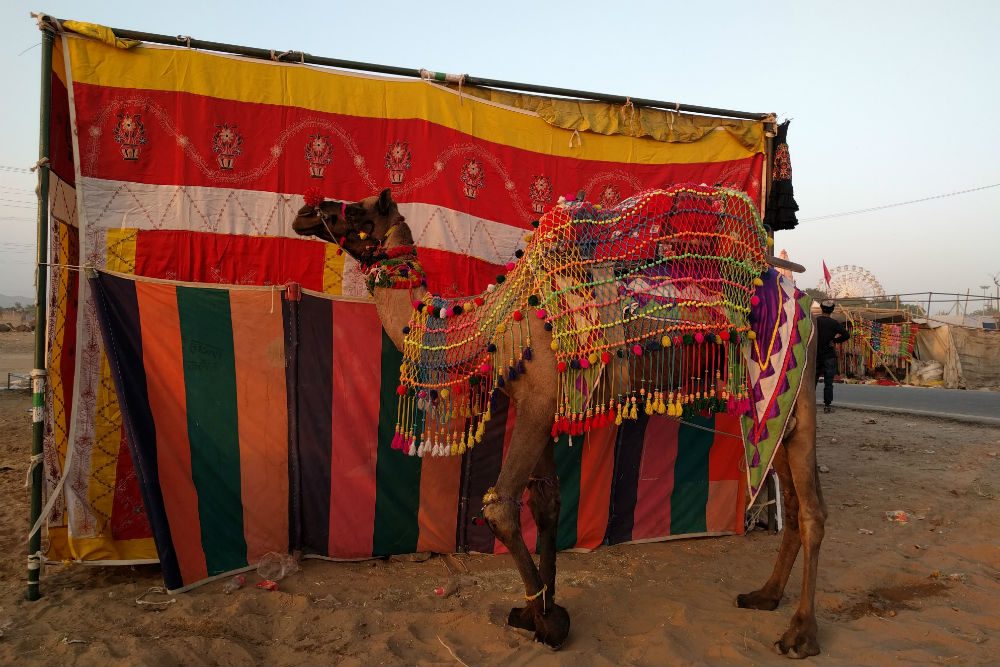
(541, 593)
(575, 137)
(185, 39)
(141, 601)
(35, 460)
(46, 22)
(35, 561)
(631, 117)
(42, 162)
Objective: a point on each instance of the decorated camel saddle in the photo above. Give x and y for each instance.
(663, 305)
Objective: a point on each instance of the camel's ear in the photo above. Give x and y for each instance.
(384, 205)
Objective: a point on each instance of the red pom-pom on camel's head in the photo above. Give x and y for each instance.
(314, 197)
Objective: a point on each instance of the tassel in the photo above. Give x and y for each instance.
(618, 416)
(634, 411)
(413, 449)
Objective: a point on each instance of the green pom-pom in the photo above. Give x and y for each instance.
(533, 300)
(500, 279)
(688, 339)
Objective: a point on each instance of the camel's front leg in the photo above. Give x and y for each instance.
(544, 503)
(501, 509)
(800, 639)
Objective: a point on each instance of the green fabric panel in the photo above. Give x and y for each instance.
(690, 495)
(397, 476)
(212, 422)
(568, 463)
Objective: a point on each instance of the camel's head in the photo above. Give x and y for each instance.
(360, 228)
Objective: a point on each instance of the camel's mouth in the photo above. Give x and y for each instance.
(309, 223)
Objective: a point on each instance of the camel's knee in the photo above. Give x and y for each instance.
(502, 515)
(812, 524)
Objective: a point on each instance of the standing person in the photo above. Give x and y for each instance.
(830, 332)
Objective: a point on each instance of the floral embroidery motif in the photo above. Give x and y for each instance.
(319, 153)
(610, 196)
(397, 161)
(227, 144)
(130, 133)
(473, 178)
(540, 193)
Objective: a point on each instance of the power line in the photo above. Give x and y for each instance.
(902, 203)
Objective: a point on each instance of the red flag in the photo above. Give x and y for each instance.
(826, 274)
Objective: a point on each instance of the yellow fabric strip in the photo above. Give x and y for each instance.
(632, 121)
(120, 256)
(99, 32)
(104, 452)
(333, 271)
(59, 60)
(98, 548)
(328, 91)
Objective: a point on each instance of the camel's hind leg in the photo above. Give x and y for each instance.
(501, 510)
(769, 595)
(805, 516)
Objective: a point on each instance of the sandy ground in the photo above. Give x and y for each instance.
(924, 592)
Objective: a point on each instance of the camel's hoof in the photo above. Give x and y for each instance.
(757, 600)
(522, 618)
(552, 628)
(799, 641)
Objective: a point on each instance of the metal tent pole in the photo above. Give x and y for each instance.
(38, 374)
(305, 58)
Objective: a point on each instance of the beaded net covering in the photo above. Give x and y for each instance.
(646, 305)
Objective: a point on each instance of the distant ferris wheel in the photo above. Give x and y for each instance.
(849, 280)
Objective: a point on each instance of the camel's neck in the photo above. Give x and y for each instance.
(395, 307)
(396, 282)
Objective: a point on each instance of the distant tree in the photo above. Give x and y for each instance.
(816, 293)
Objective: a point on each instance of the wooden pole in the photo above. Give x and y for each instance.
(38, 373)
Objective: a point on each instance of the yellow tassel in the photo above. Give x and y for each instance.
(649, 405)
(618, 418)
(634, 412)
(671, 410)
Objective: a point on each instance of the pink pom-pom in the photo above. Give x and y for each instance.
(541, 314)
(699, 337)
(584, 363)
(754, 300)
(509, 266)
(484, 368)
(637, 350)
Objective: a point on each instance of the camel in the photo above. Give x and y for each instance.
(371, 230)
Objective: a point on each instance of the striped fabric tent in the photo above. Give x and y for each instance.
(188, 167)
(249, 434)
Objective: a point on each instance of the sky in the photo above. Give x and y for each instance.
(890, 101)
